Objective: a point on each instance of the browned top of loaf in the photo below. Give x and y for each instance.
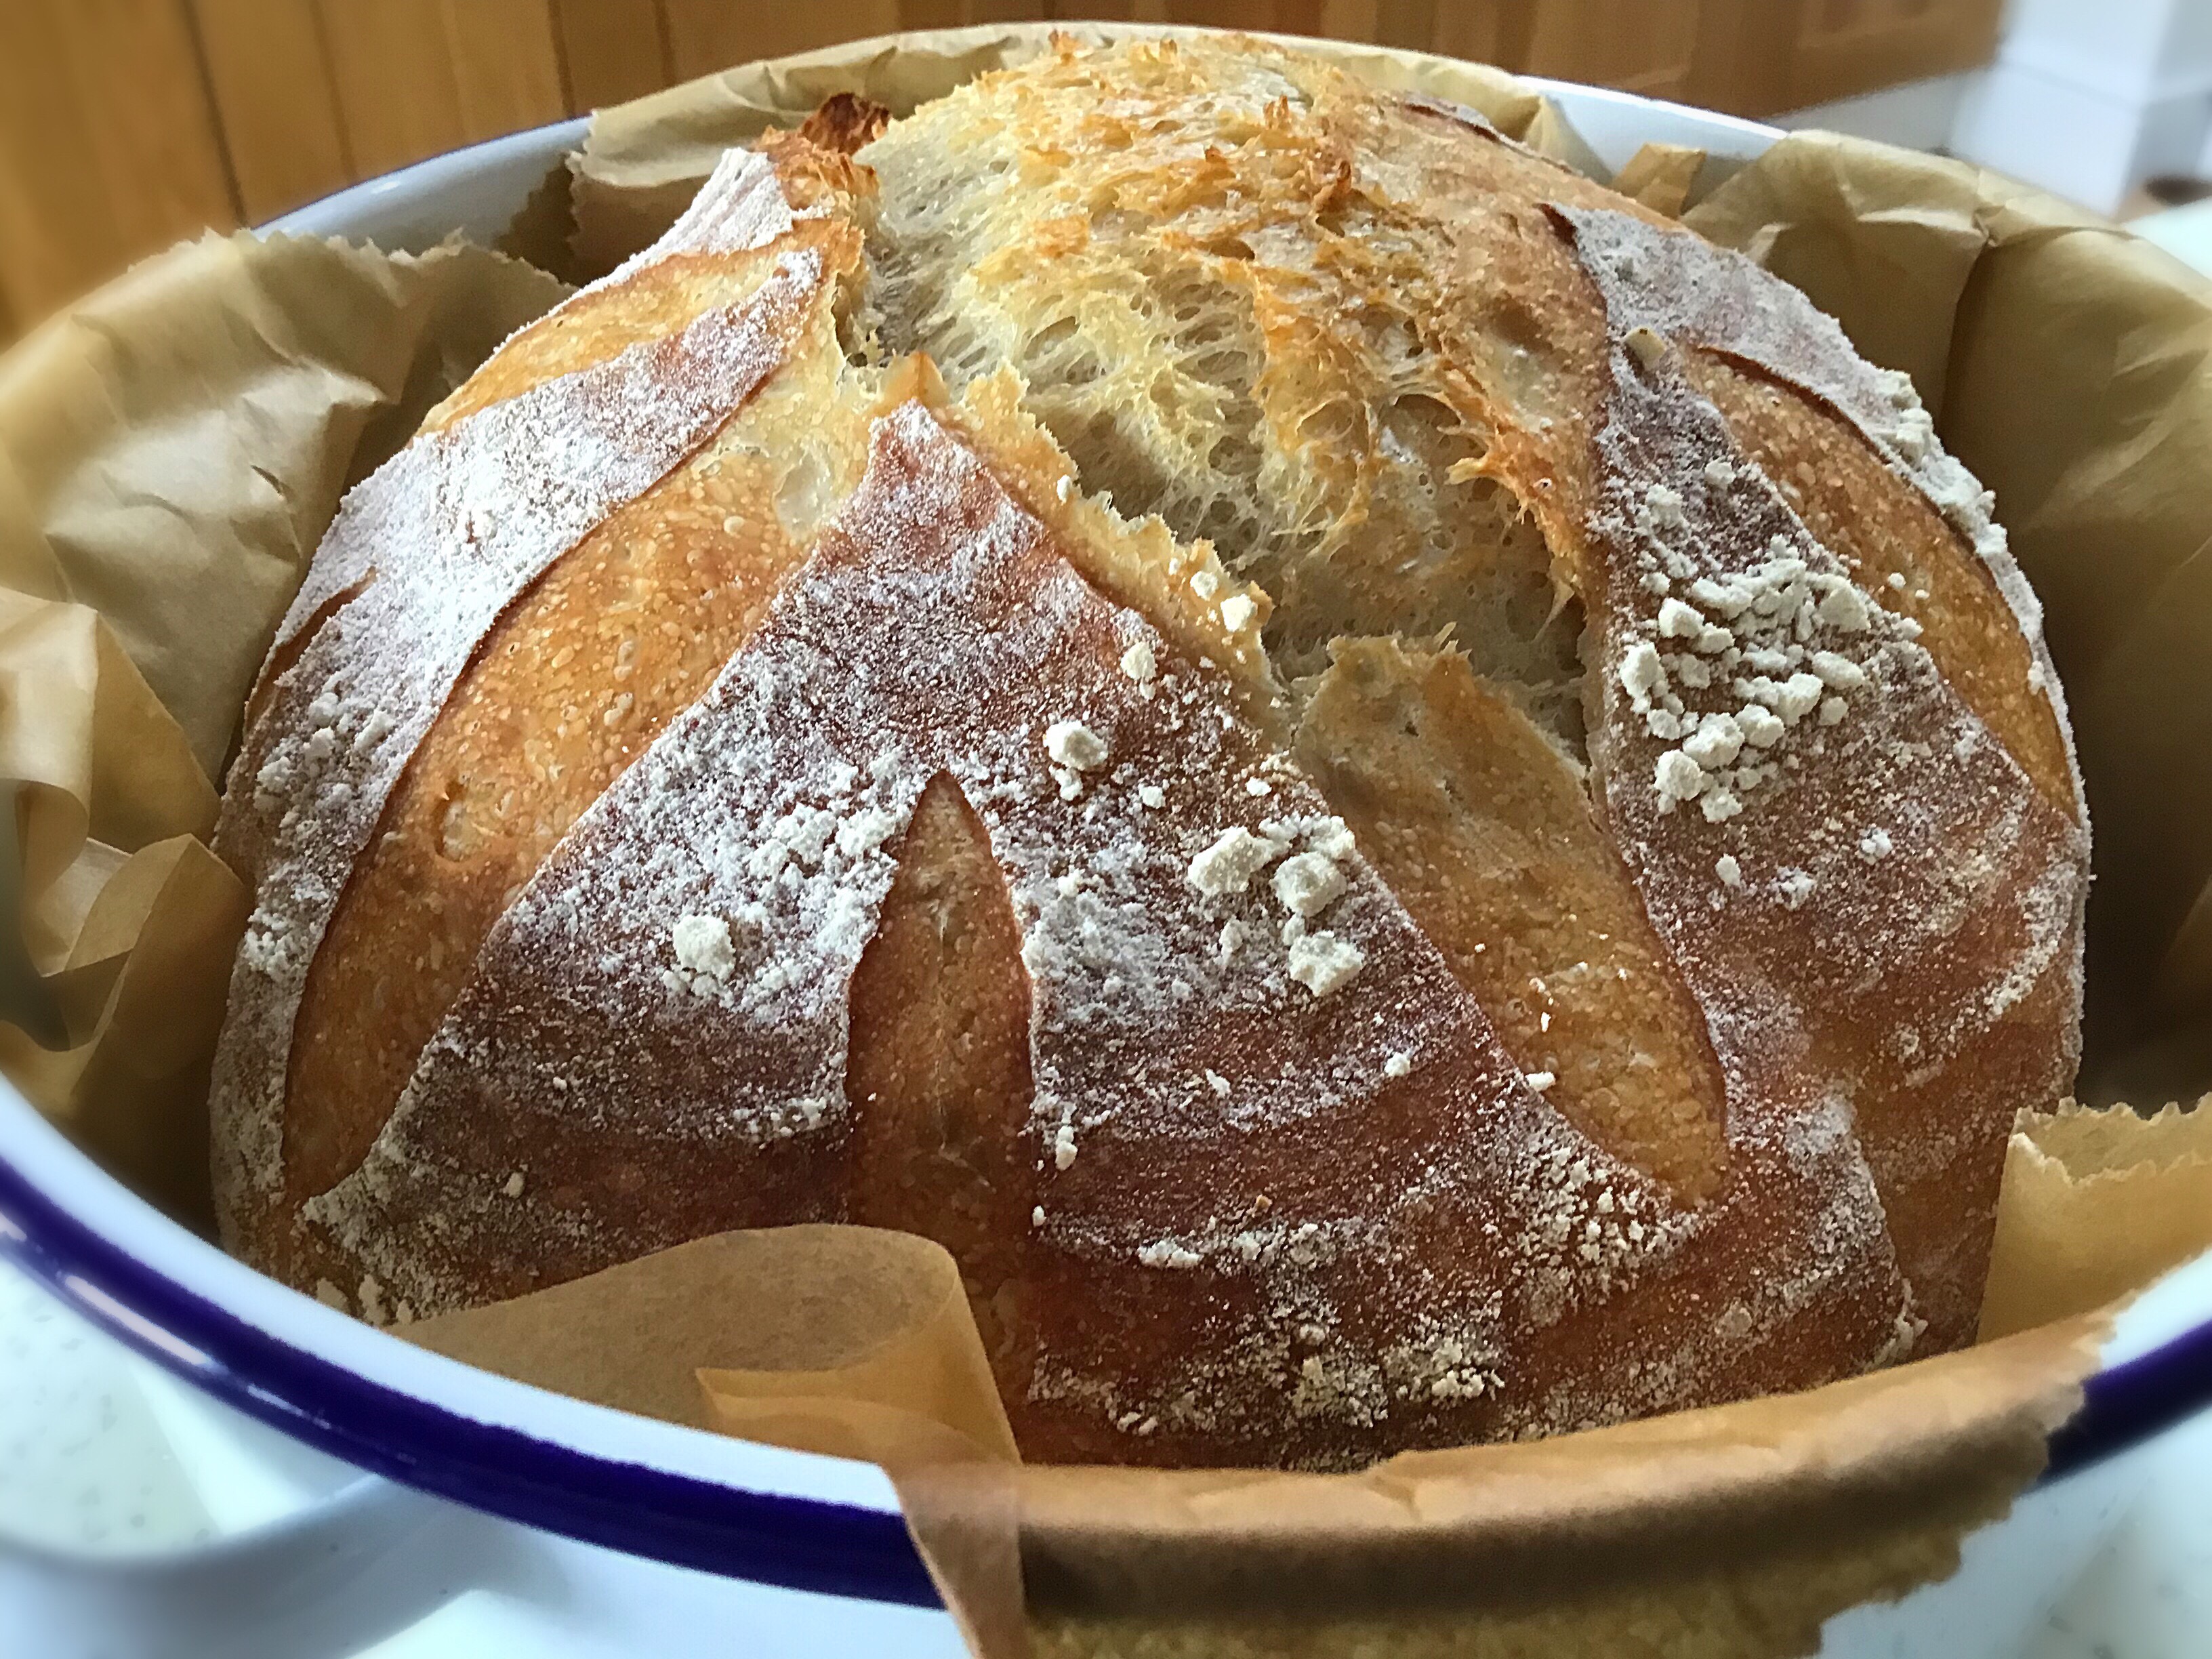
(1664, 855)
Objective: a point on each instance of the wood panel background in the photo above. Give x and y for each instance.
(125, 124)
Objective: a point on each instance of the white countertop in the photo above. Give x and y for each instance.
(84, 1464)
(2148, 1593)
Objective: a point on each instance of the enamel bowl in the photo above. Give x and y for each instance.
(430, 1491)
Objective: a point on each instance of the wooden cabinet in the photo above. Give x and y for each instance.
(127, 124)
(108, 147)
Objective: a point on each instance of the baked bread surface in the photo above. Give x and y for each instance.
(1402, 802)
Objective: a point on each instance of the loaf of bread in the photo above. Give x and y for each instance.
(1403, 803)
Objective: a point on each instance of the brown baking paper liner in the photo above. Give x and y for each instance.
(1663, 177)
(170, 455)
(851, 1341)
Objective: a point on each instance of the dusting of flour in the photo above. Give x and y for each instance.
(420, 561)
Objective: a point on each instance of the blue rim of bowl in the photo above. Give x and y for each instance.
(796, 1543)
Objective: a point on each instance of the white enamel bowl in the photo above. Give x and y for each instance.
(543, 1525)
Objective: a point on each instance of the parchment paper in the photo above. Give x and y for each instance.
(850, 1341)
(2096, 1204)
(166, 463)
(1663, 177)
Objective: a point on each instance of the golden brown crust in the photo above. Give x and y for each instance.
(1642, 1032)
(1249, 1241)
(427, 557)
(1848, 499)
(562, 695)
(650, 300)
(566, 691)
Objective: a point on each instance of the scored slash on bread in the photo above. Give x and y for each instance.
(1546, 916)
